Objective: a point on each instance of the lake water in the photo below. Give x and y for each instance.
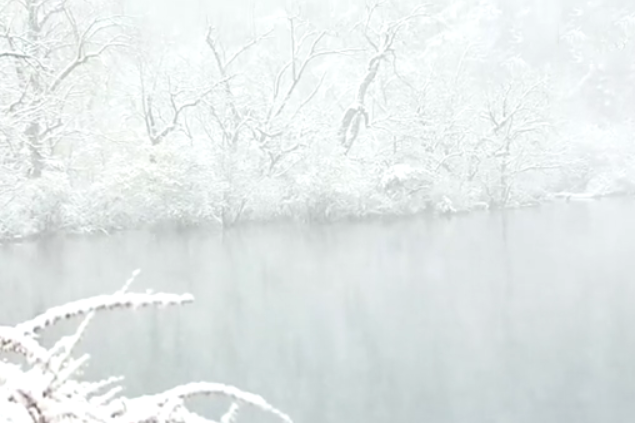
(522, 316)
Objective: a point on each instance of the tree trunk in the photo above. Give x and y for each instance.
(35, 147)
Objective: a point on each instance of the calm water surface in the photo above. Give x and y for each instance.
(527, 316)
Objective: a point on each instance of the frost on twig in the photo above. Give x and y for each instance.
(14, 340)
(46, 389)
(98, 303)
(184, 392)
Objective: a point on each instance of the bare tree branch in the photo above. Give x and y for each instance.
(158, 135)
(15, 55)
(223, 65)
(349, 126)
(298, 72)
(81, 56)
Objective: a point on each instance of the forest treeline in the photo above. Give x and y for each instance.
(115, 114)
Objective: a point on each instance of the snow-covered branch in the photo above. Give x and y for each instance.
(177, 109)
(46, 389)
(87, 36)
(382, 47)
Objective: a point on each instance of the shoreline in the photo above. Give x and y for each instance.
(216, 226)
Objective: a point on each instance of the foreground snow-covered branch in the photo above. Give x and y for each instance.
(43, 386)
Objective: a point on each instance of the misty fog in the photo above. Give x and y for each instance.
(522, 317)
(384, 210)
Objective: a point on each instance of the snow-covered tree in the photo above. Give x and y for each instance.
(50, 53)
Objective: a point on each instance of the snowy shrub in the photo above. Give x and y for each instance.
(333, 186)
(601, 160)
(177, 187)
(407, 186)
(43, 385)
(34, 206)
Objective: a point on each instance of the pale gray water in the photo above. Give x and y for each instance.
(522, 317)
